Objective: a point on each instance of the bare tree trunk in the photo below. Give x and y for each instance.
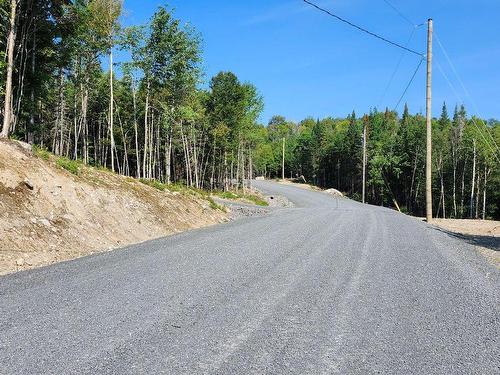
(145, 151)
(212, 177)
(137, 153)
(442, 196)
(195, 159)
(243, 169)
(462, 190)
(473, 182)
(486, 173)
(454, 185)
(478, 194)
(150, 145)
(226, 182)
(30, 137)
(111, 109)
(7, 118)
(168, 161)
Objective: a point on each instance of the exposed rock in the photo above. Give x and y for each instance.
(45, 222)
(28, 184)
(278, 201)
(334, 192)
(25, 146)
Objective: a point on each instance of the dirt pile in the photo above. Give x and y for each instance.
(48, 214)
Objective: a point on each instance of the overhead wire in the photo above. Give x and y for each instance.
(495, 152)
(362, 28)
(403, 53)
(400, 13)
(459, 98)
(409, 84)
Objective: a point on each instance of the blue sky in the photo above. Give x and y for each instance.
(305, 63)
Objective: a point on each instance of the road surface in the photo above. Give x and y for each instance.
(330, 286)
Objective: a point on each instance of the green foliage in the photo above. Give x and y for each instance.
(41, 152)
(255, 199)
(180, 138)
(72, 166)
(154, 184)
(215, 206)
(240, 195)
(226, 194)
(328, 153)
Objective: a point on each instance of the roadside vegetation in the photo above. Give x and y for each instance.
(156, 121)
(240, 195)
(329, 153)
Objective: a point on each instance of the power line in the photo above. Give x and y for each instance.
(409, 83)
(403, 53)
(493, 152)
(462, 84)
(401, 14)
(470, 97)
(362, 29)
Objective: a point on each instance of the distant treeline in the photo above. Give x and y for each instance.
(59, 89)
(329, 153)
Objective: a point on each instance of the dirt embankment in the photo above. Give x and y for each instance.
(48, 214)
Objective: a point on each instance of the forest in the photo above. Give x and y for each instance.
(156, 117)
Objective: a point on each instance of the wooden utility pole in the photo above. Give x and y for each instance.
(283, 162)
(364, 162)
(428, 164)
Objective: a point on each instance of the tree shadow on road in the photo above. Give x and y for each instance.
(489, 242)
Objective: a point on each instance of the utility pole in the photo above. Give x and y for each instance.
(283, 162)
(364, 162)
(428, 164)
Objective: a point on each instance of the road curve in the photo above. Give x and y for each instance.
(329, 286)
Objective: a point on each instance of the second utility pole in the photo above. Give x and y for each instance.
(283, 162)
(428, 163)
(363, 194)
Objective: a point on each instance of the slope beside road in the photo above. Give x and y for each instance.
(329, 286)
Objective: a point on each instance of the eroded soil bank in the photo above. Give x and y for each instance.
(48, 214)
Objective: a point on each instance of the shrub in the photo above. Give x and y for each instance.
(256, 199)
(213, 205)
(154, 184)
(40, 152)
(72, 166)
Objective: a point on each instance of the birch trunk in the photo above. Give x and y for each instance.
(473, 181)
(111, 109)
(7, 118)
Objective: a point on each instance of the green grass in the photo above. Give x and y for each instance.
(72, 166)
(239, 195)
(213, 205)
(256, 199)
(40, 152)
(183, 189)
(227, 195)
(154, 184)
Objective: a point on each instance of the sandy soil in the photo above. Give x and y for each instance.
(48, 214)
(299, 184)
(470, 227)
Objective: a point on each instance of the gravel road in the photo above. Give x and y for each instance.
(328, 286)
